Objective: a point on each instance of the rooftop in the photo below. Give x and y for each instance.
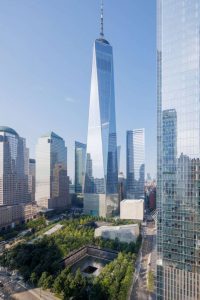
(52, 134)
(119, 227)
(8, 130)
(102, 40)
(131, 200)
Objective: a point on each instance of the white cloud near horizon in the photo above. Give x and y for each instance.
(70, 100)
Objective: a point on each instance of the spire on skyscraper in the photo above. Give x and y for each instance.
(101, 32)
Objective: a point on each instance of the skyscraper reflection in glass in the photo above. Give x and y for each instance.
(101, 177)
(178, 190)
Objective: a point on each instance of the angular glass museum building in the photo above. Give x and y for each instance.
(178, 191)
(101, 178)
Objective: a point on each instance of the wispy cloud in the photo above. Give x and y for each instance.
(70, 100)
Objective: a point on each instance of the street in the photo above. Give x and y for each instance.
(146, 262)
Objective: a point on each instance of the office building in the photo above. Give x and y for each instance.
(178, 173)
(31, 179)
(13, 167)
(12, 215)
(101, 179)
(52, 186)
(121, 186)
(135, 163)
(80, 164)
(118, 158)
(15, 198)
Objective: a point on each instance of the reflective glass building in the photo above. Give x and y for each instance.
(118, 158)
(101, 179)
(80, 164)
(135, 163)
(51, 172)
(31, 178)
(178, 190)
(13, 167)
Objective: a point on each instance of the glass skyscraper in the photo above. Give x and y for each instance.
(80, 164)
(135, 163)
(101, 179)
(51, 172)
(118, 158)
(13, 167)
(31, 179)
(178, 177)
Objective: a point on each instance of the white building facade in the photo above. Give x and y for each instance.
(132, 209)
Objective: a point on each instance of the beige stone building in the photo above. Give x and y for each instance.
(16, 214)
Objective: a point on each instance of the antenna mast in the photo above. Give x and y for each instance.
(101, 32)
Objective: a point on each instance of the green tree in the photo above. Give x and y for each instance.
(150, 281)
(45, 281)
(33, 278)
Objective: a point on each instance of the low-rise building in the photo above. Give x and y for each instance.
(124, 233)
(132, 209)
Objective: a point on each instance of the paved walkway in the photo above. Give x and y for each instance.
(148, 254)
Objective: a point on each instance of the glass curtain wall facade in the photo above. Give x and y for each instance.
(178, 173)
(135, 163)
(52, 189)
(80, 164)
(13, 168)
(118, 158)
(101, 179)
(31, 179)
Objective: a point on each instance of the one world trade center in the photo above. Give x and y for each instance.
(101, 178)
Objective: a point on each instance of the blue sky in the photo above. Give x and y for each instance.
(45, 68)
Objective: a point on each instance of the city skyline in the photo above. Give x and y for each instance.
(34, 90)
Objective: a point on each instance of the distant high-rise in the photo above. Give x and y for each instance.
(118, 157)
(135, 163)
(52, 186)
(13, 167)
(101, 179)
(121, 186)
(80, 164)
(31, 179)
(178, 136)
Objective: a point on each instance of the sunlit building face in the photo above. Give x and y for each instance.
(80, 164)
(101, 176)
(51, 172)
(178, 193)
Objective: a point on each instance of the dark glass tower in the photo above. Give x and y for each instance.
(80, 162)
(178, 190)
(100, 196)
(135, 163)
